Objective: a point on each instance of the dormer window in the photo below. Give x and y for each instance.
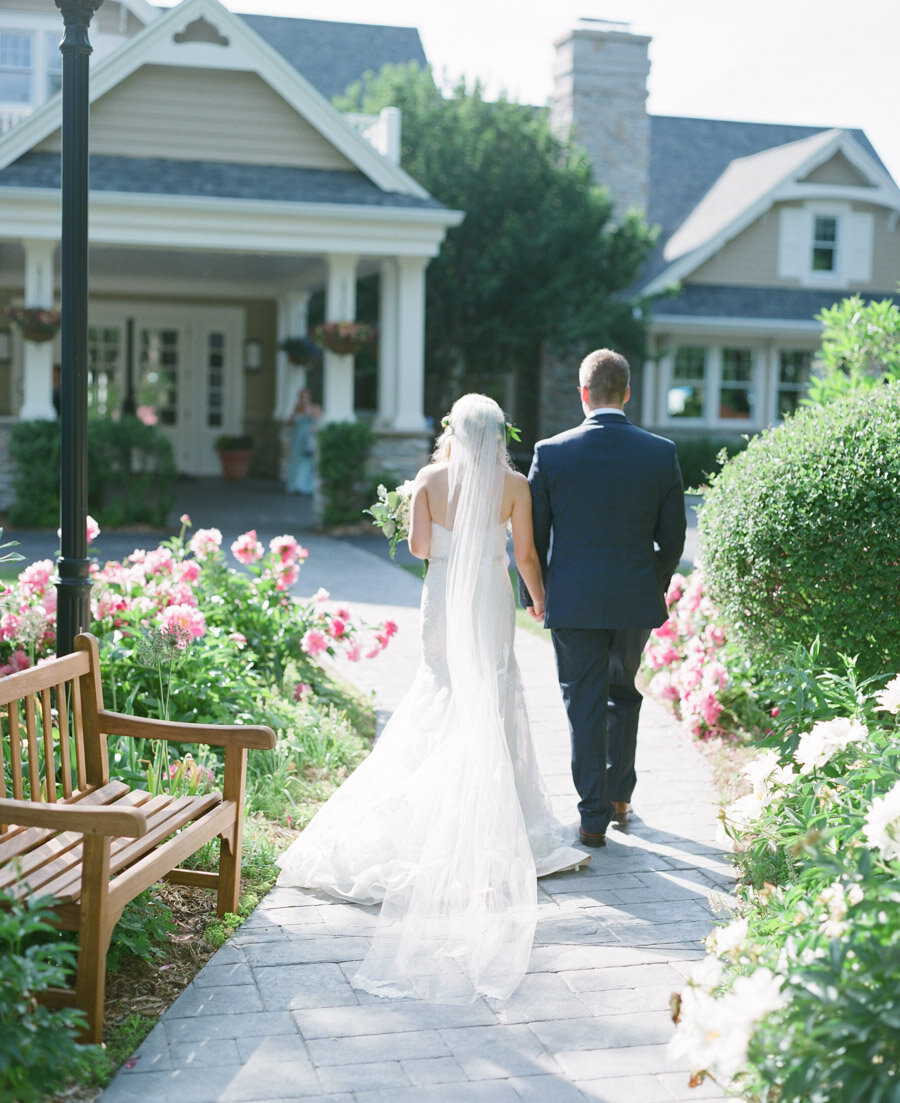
(15, 67)
(824, 248)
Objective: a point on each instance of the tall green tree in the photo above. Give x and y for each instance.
(537, 262)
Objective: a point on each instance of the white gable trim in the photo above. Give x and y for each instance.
(247, 52)
(882, 192)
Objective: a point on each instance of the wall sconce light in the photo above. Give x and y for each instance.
(253, 358)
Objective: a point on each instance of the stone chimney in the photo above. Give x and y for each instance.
(600, 89)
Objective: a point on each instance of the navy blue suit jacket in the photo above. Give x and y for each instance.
(609, 523)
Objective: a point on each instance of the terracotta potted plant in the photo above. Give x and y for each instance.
(235, 454)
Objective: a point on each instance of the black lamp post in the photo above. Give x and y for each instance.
(74, 586)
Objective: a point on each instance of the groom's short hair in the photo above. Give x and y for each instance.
(606, 375)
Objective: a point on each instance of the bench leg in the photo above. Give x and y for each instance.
(231, 845)
(94, 931)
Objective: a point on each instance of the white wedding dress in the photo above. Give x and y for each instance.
(447, 822)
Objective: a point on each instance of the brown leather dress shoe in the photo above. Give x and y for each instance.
(590, 839)
(621, 810)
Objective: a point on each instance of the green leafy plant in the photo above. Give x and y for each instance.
(38, 1047)
(142, 931)
(344, 450)
(798, 534)
(860, 349)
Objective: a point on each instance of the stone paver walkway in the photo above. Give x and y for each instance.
(272, 1016)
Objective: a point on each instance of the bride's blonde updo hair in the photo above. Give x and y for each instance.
(470, 417)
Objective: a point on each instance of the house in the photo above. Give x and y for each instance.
(761, 226)
(226, 190)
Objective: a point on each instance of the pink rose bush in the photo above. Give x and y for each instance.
(184, 591)
(691, 668)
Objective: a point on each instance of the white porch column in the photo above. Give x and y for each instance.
(340, 306)
(388, 344)
(290, 379)
(410, 416)
(37, 358)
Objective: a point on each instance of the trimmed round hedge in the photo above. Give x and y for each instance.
(800, 534)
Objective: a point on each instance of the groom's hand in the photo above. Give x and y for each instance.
(537, 617)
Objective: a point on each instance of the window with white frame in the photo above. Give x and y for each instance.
(825, 243)
(712, 385)
(687, 389)
(793, 379)
(737, 393)
(15, 67)
(53, 64)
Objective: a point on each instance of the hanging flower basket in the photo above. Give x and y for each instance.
(344, 338)
(301, 350)
(35, 323)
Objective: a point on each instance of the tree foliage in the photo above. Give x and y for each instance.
(537, 260)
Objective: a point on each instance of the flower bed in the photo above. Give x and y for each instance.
(797, 1000)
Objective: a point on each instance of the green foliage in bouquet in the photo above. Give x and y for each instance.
(391, 512)
(799, 534)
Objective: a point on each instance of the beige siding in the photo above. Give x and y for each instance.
(885, 251)
(837, 171)
(198, 114)
(751, 257)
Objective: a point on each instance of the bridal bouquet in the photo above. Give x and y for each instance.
(391, 512)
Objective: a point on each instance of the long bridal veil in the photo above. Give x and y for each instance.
(431, 823)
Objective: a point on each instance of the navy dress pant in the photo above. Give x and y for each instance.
(596, 669)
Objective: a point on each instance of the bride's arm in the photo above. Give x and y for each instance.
(419, 538)
(527, 562)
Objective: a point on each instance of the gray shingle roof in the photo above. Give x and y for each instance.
(702, 300)
(160, 176)
(333, 55)
(687, 156)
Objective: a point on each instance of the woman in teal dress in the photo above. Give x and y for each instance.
(301, 469)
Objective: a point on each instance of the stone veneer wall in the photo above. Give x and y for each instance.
(600, 88)
(559, 405)
(401, 454)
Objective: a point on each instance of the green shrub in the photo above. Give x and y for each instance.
(344, 450)
(800, 534)
(860, 349)
(700, 457)
(37, 1045)
(131, 473)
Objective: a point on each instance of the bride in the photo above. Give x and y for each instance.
(447, 822)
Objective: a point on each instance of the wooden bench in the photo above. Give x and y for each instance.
(91, 843)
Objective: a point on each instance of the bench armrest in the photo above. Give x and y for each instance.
(254, 736)
(129, 823)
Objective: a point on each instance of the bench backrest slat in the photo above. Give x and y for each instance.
(49, 748)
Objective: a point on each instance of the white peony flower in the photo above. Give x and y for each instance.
(728, 940)
(889, 698)
(707, 973)
(760, 770)
(882, 826)
(827, 737)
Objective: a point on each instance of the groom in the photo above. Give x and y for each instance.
(609, 527)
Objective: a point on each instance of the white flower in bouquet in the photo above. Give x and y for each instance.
(391, 512)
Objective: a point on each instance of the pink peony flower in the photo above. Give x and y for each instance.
(189, 570)
(35, 579)
(285, 548)
(183, 621)
(185, 520)
(93, 529)
(675, 590)
(205, 542)
(159, 561)
(247, 549)
(337, 628)
(9, 625)
(353, 653)
(314, 642)
(390, 628)
(302, 690)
